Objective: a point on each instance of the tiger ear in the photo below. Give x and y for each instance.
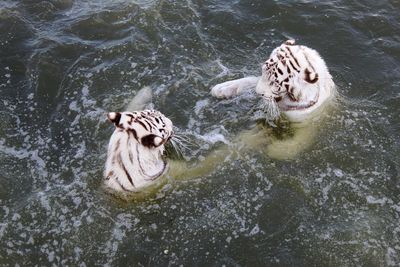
(290, 42)
(114, 117)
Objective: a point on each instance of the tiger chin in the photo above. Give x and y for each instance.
(294, 76)
(135, 151)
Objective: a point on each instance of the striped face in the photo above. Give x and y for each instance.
(289, 69)
(149, 127)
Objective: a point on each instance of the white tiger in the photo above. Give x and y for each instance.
(295, 76)
(296, 80)
(135, 152)
(135, 158)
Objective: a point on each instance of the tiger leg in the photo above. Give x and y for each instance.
(234, 87)
(261, 138)
(203, 167)
(246, 141)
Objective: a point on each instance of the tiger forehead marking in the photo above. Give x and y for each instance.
(292, 70)
(149, 127)
(286, 63)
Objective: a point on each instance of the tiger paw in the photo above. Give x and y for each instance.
(225, 89)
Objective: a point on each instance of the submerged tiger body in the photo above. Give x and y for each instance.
(294, 76)
(136, 148)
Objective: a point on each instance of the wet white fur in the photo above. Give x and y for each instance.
(126, 155)
(151, 159)
(303, 91)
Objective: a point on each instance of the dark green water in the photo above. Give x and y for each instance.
(65, 63)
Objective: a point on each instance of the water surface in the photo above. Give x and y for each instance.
(64, 64)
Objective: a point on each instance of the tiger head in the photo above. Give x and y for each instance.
(150, 128)
(295, 78)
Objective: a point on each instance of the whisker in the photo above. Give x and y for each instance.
(182, 141)
(270, 108)
(176, 148)
(179, 136)
(178, 133)
(182, 137)
(185, 141)
(178, 142)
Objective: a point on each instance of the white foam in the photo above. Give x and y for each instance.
(74, 106)
(225, 70)
(200, 105)
(392, 259)
(81, 151)
(373, 200)
(214, 137)
(3, 227)
(255, 230)
(338, 173)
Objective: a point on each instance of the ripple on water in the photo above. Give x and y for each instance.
(65, 64)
